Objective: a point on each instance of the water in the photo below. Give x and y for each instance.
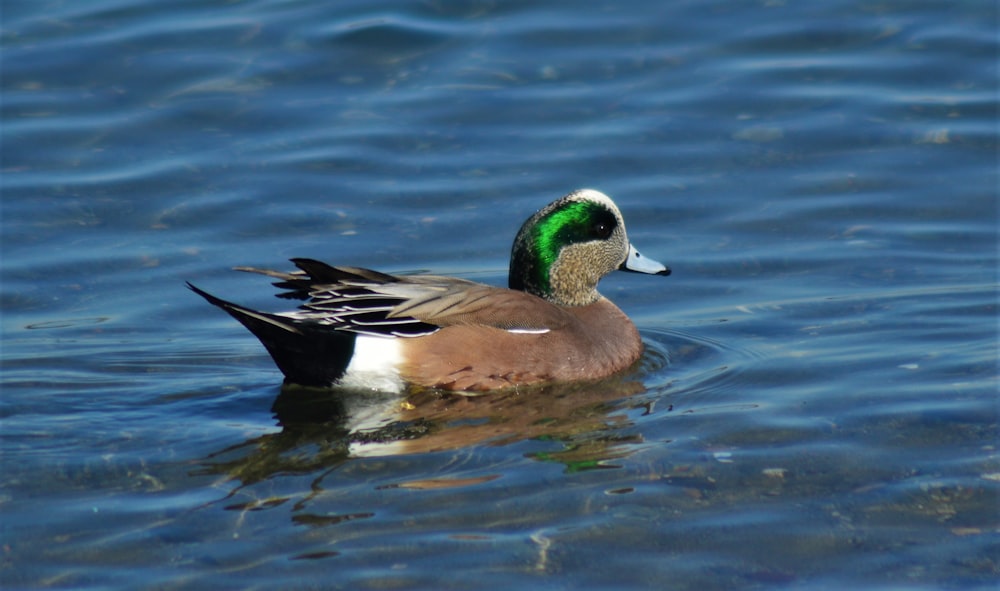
(817, 407)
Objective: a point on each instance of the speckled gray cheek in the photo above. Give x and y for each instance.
(574, 276)
(617, 246)
(569, 282)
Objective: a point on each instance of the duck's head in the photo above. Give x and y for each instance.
(562, 251)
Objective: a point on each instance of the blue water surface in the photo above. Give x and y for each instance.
(817, 406)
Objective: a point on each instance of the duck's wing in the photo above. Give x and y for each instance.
(370, 302)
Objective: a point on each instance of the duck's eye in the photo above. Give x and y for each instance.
(602, 229)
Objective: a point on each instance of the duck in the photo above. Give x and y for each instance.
(364, 329)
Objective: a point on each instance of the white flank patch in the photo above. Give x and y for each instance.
(528, 330)
(375, 365)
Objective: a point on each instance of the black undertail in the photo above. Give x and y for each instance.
(309, 354)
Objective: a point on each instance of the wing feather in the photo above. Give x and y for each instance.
(370, 302)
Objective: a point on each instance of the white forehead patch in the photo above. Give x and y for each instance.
(593, 195)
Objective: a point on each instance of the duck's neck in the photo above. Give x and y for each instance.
(568, 280)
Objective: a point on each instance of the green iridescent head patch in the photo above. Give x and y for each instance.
(569, 223)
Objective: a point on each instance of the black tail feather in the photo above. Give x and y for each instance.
(308, 354)
(312, 273)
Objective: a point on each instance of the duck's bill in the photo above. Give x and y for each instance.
(640, 264)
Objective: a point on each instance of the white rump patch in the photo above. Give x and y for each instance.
(374, 365)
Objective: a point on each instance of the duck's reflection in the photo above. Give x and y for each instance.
(321, 429)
